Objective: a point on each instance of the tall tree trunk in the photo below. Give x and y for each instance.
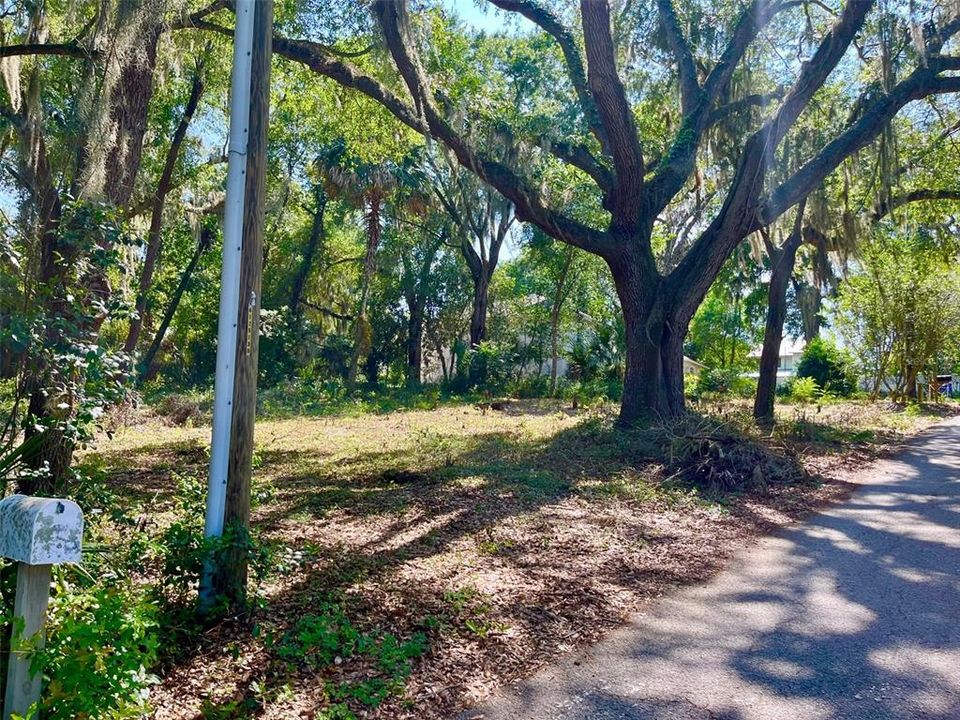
(49, 407)
(782, 263)
(554, 348)
(478, 314)
(149, 366)
(478, 325)
(653, 376)
(361, 332)
(231, 579)
(56, 263)
(560, 295)
(154, 236)
(809, 300)
(316, 237)
(129, 100)
(415, 341)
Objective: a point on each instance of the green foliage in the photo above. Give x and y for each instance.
(103, 632)
(472, 609)
(902, 313)
(729, 322)
(492, 364)
(803, 389)
(720, 382)
(329, 638)
(829, 366)
(102, 643)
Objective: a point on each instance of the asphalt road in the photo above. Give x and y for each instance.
(854, 614)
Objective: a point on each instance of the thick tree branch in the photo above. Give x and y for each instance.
(760, 100)
(687, 69)
(529, 205)
(753, 19)
(581, 158)
(547, 21)
(943, 34)
(678, 163)
(741, 213)
(322, 61)
(919, 84)
(615, 114)
(944, 62)
(922, 195)
(70, 49)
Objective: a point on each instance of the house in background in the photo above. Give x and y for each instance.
(691, 366)
(791, 350)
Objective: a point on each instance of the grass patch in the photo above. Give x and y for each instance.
(498, 537)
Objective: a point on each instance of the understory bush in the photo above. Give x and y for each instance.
(102, 631)
(329, 638)
(719, 382)
(803, 389)
(831, 367)
(102, 644)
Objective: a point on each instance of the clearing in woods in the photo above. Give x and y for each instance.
(468, 546)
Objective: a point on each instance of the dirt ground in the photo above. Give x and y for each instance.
(504, 537)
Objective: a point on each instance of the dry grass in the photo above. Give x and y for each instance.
(508, 537)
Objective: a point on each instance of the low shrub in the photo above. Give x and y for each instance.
(719, 382)
(804, 390)
(103, 640)
(328, 638)
(102, 629)
(830, 366)
(534, 386)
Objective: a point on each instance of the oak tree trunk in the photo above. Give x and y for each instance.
(653, 377)
(478, 324)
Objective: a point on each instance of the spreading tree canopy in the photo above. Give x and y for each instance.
(648, 88)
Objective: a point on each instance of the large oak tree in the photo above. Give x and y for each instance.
(634, 189)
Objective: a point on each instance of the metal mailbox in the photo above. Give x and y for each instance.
(40, 531)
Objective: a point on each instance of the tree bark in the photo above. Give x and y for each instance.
(128, 112)
(478, 314)
(653, 376)
(154, 235)
(782, 261)
(478, 325)
(317, 234)
(361, 329)
(415, 342)
(554, 348)
(231, 579)
(560, 295)
(809, 300)
(148, 366)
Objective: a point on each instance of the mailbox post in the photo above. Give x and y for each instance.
(37, 533)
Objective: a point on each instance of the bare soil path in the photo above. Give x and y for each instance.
(853, 614)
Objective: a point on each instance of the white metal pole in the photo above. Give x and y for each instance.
(229, 281)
